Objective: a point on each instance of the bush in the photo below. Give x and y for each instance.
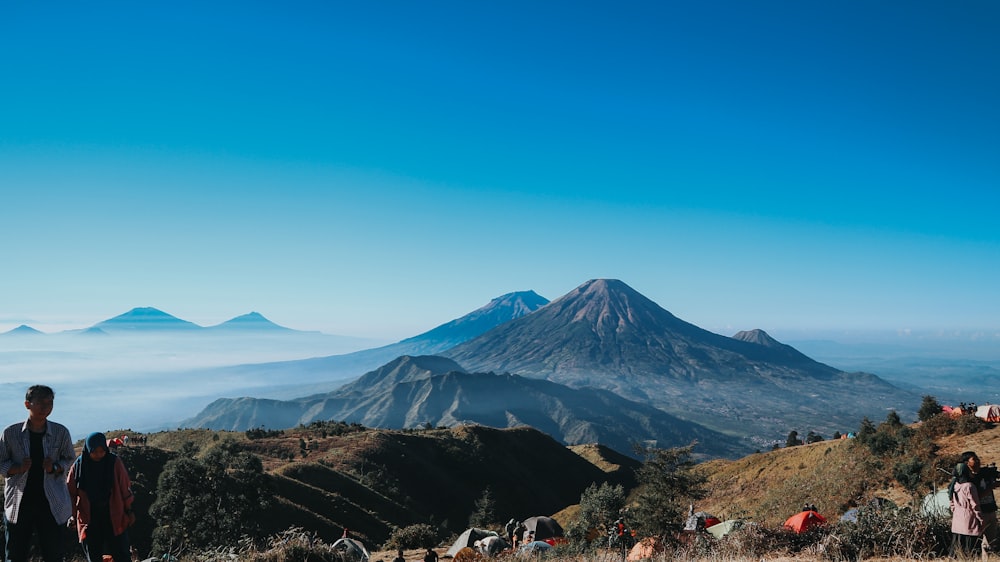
(889, 533)
(420, 535)
(968, 424)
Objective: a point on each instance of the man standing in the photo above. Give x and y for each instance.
(34, 456)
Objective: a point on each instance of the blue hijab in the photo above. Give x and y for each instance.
(95, 477)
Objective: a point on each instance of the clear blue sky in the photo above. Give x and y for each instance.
(378, 168)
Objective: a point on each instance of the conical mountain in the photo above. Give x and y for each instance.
(250, 322)
(778, 351)
(606, 326)
(605, 334)
(23, 330)
(145, 319)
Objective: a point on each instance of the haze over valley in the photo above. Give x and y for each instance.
(147, 370)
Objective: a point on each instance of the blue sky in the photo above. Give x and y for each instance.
(378, 168)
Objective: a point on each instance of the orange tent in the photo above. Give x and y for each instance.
(803, 521)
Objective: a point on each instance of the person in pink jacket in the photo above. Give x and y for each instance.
(966, 516)
(102, 497)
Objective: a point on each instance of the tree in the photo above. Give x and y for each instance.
(813, 437)
(211, 501)
(599, 507)
(892, 420)
(667, 484)
(485, 510)
(928, 408)
(793, 439)
(866, 431)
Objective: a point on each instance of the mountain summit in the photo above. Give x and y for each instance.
(144, 319)
(499, 310)
(253, 321)
(604, 324)
(605, 334)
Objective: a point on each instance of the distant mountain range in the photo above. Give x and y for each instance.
(430, 391)
(148, 320)
(602, 336)
(351, 365)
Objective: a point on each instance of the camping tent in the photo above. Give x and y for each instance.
(989, 412)
(351, 550)
(543, 527)
(491, 546)
(467, 538)
(534, 547)
(936, 503)
(803, 521)
(697, 521)
(645, 549)
(720, 530)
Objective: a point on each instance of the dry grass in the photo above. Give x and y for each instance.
(769, 487)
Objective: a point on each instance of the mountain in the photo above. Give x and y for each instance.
(350, 365)
(145, 319)
(253, 321)
(23, 330)
(604, 334)
(429, 391)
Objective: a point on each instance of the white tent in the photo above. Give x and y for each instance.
(936, 503)
(989, 412)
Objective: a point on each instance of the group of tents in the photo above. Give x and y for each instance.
(988, 412)
(545, 532)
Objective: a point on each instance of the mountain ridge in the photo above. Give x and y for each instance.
(432, 391)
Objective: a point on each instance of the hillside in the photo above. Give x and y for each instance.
(331, 476)
(769, 487)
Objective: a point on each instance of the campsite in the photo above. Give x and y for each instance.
(332, 479)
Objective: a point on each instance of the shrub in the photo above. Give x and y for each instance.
(420, 535)
(889, 533)
(967, 425)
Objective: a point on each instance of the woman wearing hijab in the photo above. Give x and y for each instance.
(102, 498)
(966, 517)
